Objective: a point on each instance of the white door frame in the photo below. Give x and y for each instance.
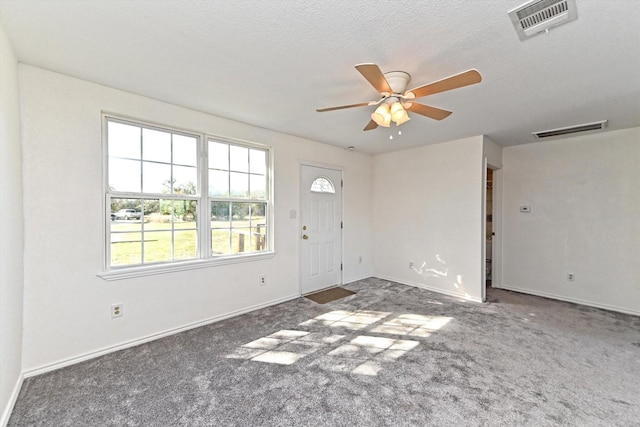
(483, 228)
(496, 243)
(301, 206)
(496, 220)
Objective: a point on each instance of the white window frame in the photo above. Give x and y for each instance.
(204, 257)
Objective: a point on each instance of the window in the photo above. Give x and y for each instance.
(238, 198)
(322, 185)
(156, 207)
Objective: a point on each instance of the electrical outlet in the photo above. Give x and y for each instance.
(571, 277)
(411, 265)
(116, 310)
(263, 280)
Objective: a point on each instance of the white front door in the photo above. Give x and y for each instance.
(321, 228)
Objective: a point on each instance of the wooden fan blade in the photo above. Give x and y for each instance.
(459, 80)
(374, 76)
(371, 125)
(342, 107)
(425, 110)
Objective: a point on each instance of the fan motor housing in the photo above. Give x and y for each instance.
(398, 81)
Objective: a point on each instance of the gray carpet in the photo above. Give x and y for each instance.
(391, 355)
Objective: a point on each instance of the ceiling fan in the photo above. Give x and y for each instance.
(396, 100)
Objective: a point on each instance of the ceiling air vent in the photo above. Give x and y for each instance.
(537, 16)
(571, 129)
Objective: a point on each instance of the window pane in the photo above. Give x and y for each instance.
(124, 140)
(220, 215)
(239, 184)
(258, 161)
(258, 186)
(184, 211)
(218, 155)
(124, 175)
(166, 210)
(239, 158)
(156, 177)
(190, 216)
(185, 244)
(123, 226)
(153, 218)
(185, 150)
(258, 238)
(218, 183)
(157, 246)
(185, 180)
(189, 224)
(241, 240)
(126, 215)
(258, 213)
(322, 185)
(258, 226)
(220, 244)
(240, 214)
(156, 145)
(126, 248)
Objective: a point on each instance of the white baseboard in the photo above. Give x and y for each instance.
(430, 288)
(91, 355)
(355, 279)
(6, 413)
(569, 299)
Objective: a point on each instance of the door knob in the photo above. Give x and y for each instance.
(305, 237)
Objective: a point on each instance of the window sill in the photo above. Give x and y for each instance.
(131, 272)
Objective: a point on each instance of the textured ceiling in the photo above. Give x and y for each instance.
(272, 63)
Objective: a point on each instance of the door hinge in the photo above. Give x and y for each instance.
(341, 224)
(341, 183)
(340, 266)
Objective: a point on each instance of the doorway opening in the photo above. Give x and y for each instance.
(489, 232)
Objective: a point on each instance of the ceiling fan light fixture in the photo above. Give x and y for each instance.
(405, 118)
(398, 113)
(382, 116)
(396, 109)
(396, 101)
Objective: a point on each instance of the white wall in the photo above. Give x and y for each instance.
(492, 152)
(66, 305)
(584, 194)
(358, 220)
(427, 206)
(11, 231)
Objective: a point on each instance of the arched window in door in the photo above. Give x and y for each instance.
(322, 185)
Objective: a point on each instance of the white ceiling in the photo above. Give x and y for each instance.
(272, 63)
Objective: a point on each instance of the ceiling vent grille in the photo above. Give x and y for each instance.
(537, 16)
(571, 129)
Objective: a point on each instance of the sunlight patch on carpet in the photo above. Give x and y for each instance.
(363, 355)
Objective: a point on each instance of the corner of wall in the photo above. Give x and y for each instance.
(13, 398)
(11, 232)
